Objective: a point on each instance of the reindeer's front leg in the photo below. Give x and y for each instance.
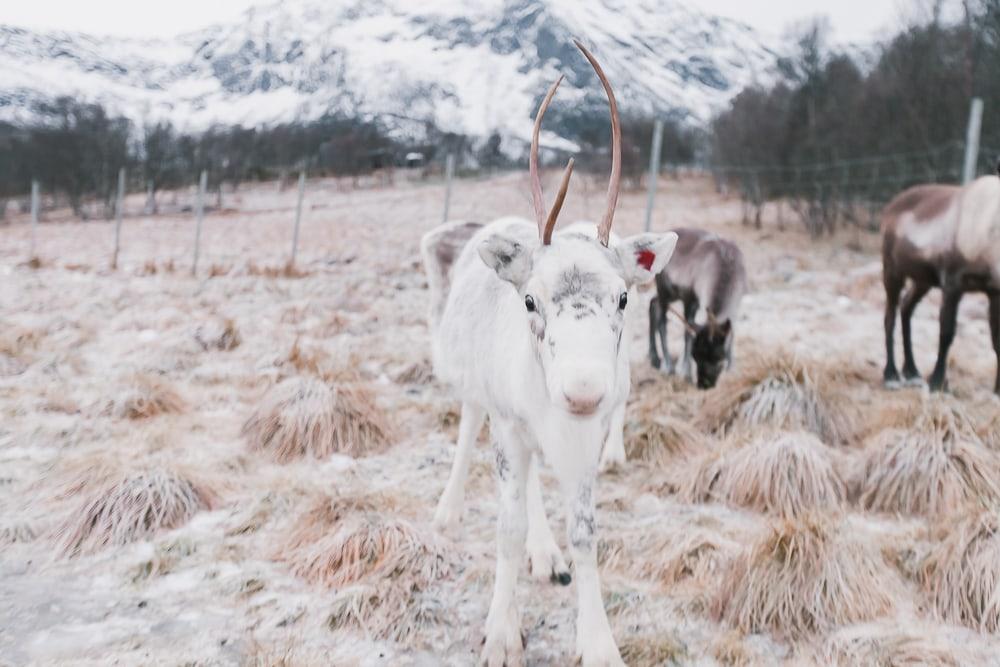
(613, 454)
(503, 644)
(544, 557)
(595, 646)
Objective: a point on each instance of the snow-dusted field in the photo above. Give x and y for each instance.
(139, 381)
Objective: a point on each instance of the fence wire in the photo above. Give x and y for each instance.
(852, 192)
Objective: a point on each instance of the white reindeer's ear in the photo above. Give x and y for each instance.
(645, 255)
(511, 259)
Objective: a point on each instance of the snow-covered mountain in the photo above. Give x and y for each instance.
(469, 66)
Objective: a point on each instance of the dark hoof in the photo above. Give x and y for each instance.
(937, 386)
(562, 578)
(655, 363)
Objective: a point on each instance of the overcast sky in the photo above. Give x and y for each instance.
(852, 20)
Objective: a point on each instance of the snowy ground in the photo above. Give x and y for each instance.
(214, 591)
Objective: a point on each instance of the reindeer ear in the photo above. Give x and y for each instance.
(510, 258)
(645, 255)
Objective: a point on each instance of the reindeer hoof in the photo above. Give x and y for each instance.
(546, 562)
(915, 381)
(563, 578)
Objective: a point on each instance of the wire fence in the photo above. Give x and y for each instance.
(827, 195)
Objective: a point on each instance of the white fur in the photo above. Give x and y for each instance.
(553, 382)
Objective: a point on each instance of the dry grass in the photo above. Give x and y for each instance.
(219, 333)
(962, 572)
(669, 559)
(892, 646)
(130, 507)
(934, 467)
(145, 396)
(658, 440)
(989, 432)
(785, 474)
(657, 650)
(779, 391)
(306, 417)
(382, 564)
(314, 360)
(805, 577)
(16, 533)
(287, 270)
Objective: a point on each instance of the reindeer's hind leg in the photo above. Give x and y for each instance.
(448, 515)
(655, 310)
(545, 560)
(893, 287)
(690, 311)
(995, 333)
(914, 294)
(949, 315)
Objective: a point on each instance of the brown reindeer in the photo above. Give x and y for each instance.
(940, 236)
(706, 271)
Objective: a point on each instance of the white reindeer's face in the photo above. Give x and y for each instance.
(575, 292)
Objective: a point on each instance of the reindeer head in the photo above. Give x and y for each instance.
(710, 350)
(574, 287)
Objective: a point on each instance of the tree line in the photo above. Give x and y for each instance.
(912, 97)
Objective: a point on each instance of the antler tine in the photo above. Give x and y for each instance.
(557, 204)
(536, 183)
(614, 185)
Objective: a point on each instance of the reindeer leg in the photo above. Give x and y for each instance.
(949, 315)
(916, 292)
(448, 515)
(503, 646)
(893, 286)
(595, 645)
(995, 333)
(545, 560)
(613, 454)
(668, 362)
(690, 311)
(654, 320)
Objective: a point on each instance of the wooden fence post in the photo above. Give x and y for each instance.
(34, 217)
(449, 172)
(199, 213)
(119, 203)
(654, 170)
(972, 140)
(298, 217)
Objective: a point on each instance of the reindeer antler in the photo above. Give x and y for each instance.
(545, 222)
(614, 185)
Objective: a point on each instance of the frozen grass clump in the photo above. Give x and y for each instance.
(144, 396)
(779, 391)
(130, 507)
(670, 559)
(658, 440)
(307, 417)
(934, 467)
(219, 333)
(382, 566)
(892, 646)
(805, 577)
(784, 474)
(961, 574)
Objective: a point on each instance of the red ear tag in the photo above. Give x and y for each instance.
(646, 257)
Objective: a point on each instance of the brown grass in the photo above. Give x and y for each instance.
(382, 565)
(130, 507)
(805, 577)
(658, 440)
(654, 650)
(934, 467)
(287, 270)
(989, 432)
(670, 559)
(304, 416)
(961, 574)
(146, 396)
(779, 391)
(219, 333)
(785, 474)
(893, 646)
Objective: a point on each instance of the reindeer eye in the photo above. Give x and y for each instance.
(529, 303)
(623, 301)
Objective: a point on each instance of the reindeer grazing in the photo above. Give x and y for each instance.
(940, 236)
(705, 271)
(532, 333)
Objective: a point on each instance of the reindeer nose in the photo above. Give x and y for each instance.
(584, 394)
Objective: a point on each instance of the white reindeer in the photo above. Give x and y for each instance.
(531, 332)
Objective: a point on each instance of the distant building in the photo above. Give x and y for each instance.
(414, 159)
